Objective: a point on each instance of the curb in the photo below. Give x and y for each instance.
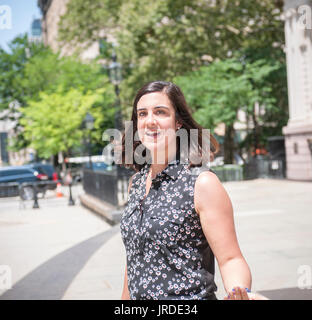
(106, 210)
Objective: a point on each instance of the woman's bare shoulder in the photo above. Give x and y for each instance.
(209, 191)
(206, 179)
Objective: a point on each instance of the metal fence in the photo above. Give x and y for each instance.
(25, 190)
(10, 189)
(113, 188)
(256, 168)
(264, 168)
(109, 186)
(229, 172)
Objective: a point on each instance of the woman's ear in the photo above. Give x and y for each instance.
(178, 125)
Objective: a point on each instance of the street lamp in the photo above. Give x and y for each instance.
(89, 123)
(115, 70)
(115, 76)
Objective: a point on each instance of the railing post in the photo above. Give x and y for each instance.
(71, 201)
(36, 204)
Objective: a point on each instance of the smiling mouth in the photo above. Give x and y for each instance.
(152, 134)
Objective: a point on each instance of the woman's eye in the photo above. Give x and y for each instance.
(142, 114)
(160, 112)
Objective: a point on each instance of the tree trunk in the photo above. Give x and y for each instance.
(229, 144)
(63, 163)
(55, 161)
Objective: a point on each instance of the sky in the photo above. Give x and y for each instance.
(22, 14)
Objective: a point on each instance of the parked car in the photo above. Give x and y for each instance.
(20, 174)
(48, 170)
(97, 166)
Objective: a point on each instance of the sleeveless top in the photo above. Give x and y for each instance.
(168, 256)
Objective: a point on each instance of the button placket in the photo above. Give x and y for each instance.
(143, 198)
(155, 186)
(141, 235)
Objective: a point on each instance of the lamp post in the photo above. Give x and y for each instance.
(115, 77)
(36, 204)
(89, 122)
(69, 182)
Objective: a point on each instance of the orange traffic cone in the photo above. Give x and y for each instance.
(58, 190)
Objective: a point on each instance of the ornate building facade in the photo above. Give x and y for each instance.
(298, 132)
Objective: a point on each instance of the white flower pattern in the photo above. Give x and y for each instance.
(168, 256)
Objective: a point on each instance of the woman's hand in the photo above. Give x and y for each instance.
(238, 293)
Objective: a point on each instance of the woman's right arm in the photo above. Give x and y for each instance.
(125, 292)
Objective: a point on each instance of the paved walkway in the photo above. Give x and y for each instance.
(67, 252)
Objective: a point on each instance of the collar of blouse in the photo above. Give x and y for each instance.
(172, 170)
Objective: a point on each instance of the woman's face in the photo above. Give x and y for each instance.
(156, 122)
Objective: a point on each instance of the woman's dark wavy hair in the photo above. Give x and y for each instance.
(183, 115)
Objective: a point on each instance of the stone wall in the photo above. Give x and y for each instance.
(50, 22)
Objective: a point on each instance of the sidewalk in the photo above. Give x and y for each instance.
(68, 252)
(59, 251)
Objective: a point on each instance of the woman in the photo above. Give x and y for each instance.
(177, 219)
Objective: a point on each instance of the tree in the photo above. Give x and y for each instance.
(12, 70)
(163, 39)
(48, 72)
(216, 93)
(276, 115)
(30, 70)
(53, 122)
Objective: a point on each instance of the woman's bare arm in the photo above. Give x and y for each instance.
(214, 207)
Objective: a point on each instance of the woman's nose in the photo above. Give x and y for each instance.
(151, 119)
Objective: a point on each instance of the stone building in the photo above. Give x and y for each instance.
(52, 10)
(298, 132)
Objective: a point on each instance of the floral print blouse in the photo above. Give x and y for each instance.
(168, 256)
